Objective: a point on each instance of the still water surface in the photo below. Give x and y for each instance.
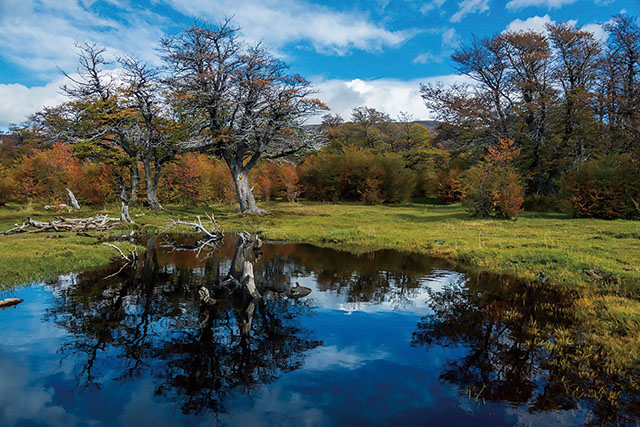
(384, 338)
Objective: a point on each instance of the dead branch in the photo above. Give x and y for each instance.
(96, 223)
(214, 234)
(130, 260)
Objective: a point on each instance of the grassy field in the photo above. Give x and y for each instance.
(551, 244)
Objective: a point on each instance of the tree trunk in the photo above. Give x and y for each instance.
(245, 195)
(135, 181)
(152, 179)
(124, 209)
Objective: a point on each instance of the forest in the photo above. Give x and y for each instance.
(550, 122)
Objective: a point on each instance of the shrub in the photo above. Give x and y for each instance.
(607, 187)
(6, 185)
(357, 175)
(290, 181)
(195, 178)
(448, 185)
(493, 185)
(265, 176)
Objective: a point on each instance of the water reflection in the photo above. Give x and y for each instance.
(522, 340)
(383, 337)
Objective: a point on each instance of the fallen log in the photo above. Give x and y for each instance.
(96, 223)
(9, 302)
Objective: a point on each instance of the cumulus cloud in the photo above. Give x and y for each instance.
(20, 101)
(535, 23)
(468, 7)
(549, 4)
(390, 96)
(287, 21)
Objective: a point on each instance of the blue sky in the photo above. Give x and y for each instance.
(373, 52)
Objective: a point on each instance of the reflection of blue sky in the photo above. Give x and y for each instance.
(365, 372)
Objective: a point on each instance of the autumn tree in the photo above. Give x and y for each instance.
(242, 103)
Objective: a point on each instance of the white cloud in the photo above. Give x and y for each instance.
(535, 23)
(450, 38)
(19, 101)
(598, 31)
(432, 5)
(429, 58)
(549, 4)
(39, 35)
(538, 24)
(467, 7)
(287, 21)
(390, 96)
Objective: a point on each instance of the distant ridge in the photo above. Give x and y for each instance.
(429, 124)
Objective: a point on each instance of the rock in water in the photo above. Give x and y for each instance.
(298, 291)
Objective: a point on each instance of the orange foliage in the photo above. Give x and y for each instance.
(290, 180)
(196, 178)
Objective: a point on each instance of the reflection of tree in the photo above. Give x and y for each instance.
(513, 334)
(149, 322)
(375, 277)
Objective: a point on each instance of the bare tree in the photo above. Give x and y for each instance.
(143, 96)
(242, 104)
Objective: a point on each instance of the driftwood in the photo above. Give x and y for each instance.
(59, 224)
(9, 302)
(214, 234)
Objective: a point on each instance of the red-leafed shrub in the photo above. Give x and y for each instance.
(197, 179)
(45, 175)
(607, 188)
(290, 181)
(266, 176)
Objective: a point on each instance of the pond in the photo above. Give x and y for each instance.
(383, 338)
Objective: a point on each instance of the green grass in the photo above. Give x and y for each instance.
(552, 244)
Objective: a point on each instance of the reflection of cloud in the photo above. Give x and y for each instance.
(21, 401)
(142, 410)
(330, 357)
(552, 418)
(273, 406)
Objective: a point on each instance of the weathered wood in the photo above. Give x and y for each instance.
(97, 223)
(214, 234)
(74, 201)
(10, 302)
